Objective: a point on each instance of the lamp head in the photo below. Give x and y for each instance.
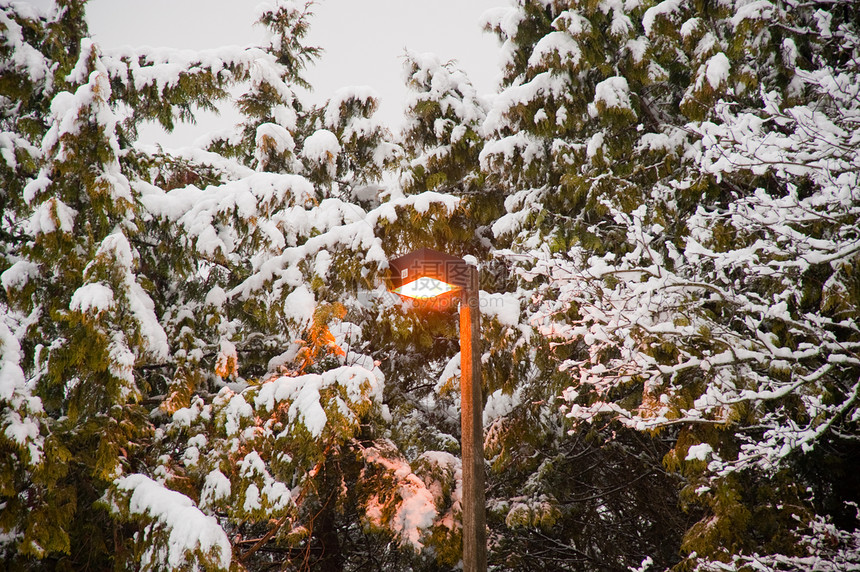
(429, 278)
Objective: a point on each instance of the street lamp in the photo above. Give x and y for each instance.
(435, 280)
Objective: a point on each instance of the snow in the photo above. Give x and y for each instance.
(69, 110)
(225, 168)
(23, 432)
(416, 511)
(277, 494)
(89, 51)
(638, 48)
(365, 95)
(670, 141)
(299, 306)
(227, 359)
(16, 276)
(755, 10)
(518, 146)
(198, 441)
(545, 84)
(445, 86)
(622, 25)
(117, 248)
(689, 27)
(264, 492)
(420, 202)
(282, 232)
(10, 143)
(595, 145)
(36, 187)
(20, 420)
(321, 147)
(191, 457)
(644, 566)
(185, 416)
(574, 22)
(121, 366)
(251, 464)
(206, 215)
(272, 138)
(237, 409)
(717, 70)
(92, 298)
(556, 44)
(322, 264)
(215, 297)
(613, 93)
(303, 393)
(499, 405)
(51, 216)
(504, 307)
(24, 57)
(506, 19)
(188, 529)
(518, 206)
(823, 21)
(699, 452)
(664, 9)
(216, 488)
(162, 68)
(450, 374)
(265, 73)
(252, 498)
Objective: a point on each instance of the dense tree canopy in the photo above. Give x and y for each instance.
(200, 366)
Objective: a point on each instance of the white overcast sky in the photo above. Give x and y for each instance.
(363, 41)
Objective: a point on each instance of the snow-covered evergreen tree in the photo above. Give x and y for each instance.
(681, 286)
(186, 383)
(200, 367)
(585, 128)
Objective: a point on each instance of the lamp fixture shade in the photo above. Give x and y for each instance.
(428, 263)
(430, 278)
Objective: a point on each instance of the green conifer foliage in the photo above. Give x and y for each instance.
(585, 107)
(679, 296)
(270, 105)
(24, 72)
(196, 346)
(442, 135)
(801, 393)
(200, 366)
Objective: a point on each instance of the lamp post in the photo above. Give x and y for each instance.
(435, 280)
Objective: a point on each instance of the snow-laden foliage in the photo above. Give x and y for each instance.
(200, 366)
(444, 113)
(694, 266)
(21, 420)
(185, 325)
(192, 538)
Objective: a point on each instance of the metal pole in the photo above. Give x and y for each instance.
(472, 429)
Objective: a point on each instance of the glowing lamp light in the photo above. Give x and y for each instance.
(430, 279)
(424, 288)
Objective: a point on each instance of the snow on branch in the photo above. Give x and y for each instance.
(25, 59)
(641, 323)
(356, 388)
(175, 532)
(21, 417)
(164, 68)
(413, 511)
